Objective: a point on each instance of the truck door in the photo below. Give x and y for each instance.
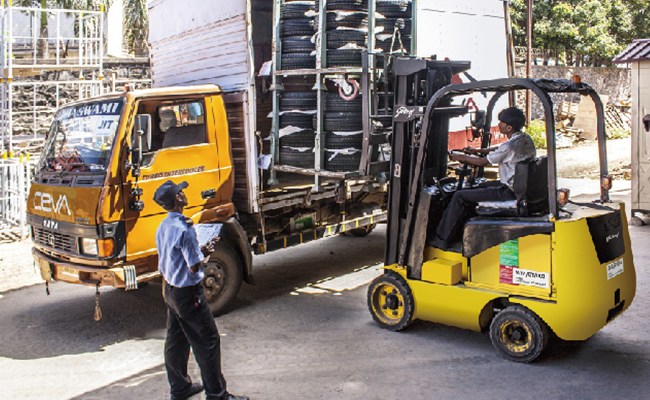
(181, 149)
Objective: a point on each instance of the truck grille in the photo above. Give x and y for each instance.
(55, 240)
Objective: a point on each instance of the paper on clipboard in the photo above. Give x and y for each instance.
(205, 232)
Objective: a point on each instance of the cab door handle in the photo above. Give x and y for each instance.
(208, 194)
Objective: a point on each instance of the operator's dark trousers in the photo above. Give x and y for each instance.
(190, 323)
(462, 204)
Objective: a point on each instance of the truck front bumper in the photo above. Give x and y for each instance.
(120, 276)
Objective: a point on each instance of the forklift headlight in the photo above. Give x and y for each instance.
(563, 197)
(89, 246)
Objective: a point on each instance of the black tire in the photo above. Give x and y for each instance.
(295, 158)
(343, 58)
(299, 120)
(345, 5)
(342, 121)
(403, 24)
(356, 21)
(390, 301)
(385, 45)
(298, 61)
(296, 27)
(334, 142)
(295, 10)
(298, 101)
(299, 139)
(342, 162)
(223, 278)
(297, 44)
(334, 103)
(381, 103)
(519, 334)
(361, 210)
(394, 8)
(340, 37)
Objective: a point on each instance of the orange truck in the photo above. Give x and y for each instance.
(91, 208)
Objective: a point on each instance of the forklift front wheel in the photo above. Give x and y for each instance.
(390, 302)
(518, 334)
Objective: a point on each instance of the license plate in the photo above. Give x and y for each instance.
(615, 268)
(69, 271)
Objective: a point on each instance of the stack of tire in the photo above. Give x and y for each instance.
(346, 21)
(397, 24)
(296, 116)
(342, 130)
(296, 31)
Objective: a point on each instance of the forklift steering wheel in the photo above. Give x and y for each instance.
(463, 171)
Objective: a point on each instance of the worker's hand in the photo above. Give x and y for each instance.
(455, 157)
(470, 150)
(207, 249)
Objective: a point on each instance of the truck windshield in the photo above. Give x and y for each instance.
(81, 137)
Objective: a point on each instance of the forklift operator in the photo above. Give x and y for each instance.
(519, 147)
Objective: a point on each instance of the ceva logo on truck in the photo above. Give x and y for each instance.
(45, 202)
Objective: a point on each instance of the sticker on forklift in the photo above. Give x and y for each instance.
(615, 268)
(530, 278)
(508, 261)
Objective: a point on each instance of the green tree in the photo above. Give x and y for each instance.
(136, 26)
(596, 30)
(640, 19)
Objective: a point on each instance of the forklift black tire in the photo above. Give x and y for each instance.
(390, 302)
(519, 334)
(223, 278)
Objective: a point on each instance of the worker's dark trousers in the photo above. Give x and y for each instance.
(190, 323)
(462, 205)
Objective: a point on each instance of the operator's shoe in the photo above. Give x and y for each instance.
(229, 396)
(193, 389)
(440, 243)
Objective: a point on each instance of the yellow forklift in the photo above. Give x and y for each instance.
(523, 269)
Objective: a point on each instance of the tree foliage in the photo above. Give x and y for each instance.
(597, 28)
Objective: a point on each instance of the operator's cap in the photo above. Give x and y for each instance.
(166, 193)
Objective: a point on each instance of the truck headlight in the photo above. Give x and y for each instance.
(89, 246)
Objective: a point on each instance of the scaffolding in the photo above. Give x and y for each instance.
(35, 40)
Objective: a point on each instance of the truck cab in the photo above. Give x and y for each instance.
(91, 208)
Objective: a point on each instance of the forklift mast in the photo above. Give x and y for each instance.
(416, 81)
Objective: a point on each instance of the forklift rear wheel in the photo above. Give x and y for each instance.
(223, 278)
(390, 302)
(519, 334)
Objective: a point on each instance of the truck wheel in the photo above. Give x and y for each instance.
(356, 21)
(296, 27)
(298, 101)
(346, 5)
(394, 8)
(343, 58)
(340, 37)
(295, 10)
(223, 278)
(342, 121)
(297, 44)
(299, 139)
(334, 103)
(298, 61)
(390, 302)
(518, 334)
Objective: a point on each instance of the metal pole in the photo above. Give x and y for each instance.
(529, 53)
(510, 57)
(10, 77)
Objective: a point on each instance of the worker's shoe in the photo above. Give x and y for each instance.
(229, 396)
(440, 243)
(193, 389)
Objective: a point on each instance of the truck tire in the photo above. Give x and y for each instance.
(333, 141)
(389, 24)
(343, 58)
(342, 121)
(297, 44)
(334, 103)
(298, 101)
(356, 21)
(384, 45)
(299, 120)
(295, 10)
(394, 8)
(344, 5)
(340, 37)
(223, 278)
(296, 27)
(342, 162)
(298, 61)
(295, 158)
(299, 139)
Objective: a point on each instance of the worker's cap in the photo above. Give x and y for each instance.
(166, 193)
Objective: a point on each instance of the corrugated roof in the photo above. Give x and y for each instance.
(639, 50)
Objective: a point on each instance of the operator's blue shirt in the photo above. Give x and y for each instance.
(178, 249)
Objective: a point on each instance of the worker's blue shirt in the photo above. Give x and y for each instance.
(178, 249)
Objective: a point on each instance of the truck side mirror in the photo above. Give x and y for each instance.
(141, 138)
(646, 122)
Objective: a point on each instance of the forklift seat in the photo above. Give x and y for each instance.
(531, 190)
